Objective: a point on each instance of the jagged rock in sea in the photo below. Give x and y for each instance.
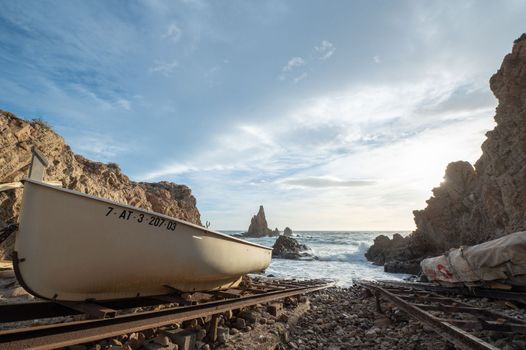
(395, 254)
(18, 136)
(258, 225)
(289, 248)
(485, 201)
(287, 231)
(383, 247)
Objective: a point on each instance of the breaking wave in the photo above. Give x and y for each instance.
(356, 256)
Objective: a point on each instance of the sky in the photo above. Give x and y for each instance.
(334, 115)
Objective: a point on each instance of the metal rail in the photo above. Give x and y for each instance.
(453, 329)
(519, 297)
(51, 336)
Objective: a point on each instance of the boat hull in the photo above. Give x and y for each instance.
(72, 246)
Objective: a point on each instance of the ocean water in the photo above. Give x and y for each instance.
(341, 257)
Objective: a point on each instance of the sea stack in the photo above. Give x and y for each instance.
(258, 225)
(482, 202)
(287, 231)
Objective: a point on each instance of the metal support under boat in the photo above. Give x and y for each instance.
(38, 165)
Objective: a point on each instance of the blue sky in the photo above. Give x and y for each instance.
(334, 115)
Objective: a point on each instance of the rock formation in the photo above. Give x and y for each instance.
(258, 226)
(17, 137)
(481, 202)
(287, 231)
(289, 248)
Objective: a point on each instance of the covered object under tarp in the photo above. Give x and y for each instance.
(502, 259)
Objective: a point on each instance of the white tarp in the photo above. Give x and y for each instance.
(500, 259)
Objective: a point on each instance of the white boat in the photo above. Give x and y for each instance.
(73, 247)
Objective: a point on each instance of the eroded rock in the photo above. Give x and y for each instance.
(259, 226)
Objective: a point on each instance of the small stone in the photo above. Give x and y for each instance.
(249, 316)
(382, 322)
(115, 342)
(372, 331)
(222, 334)
(240, 323)
(16, 292)
(283, 318)
(184, 339)
(275, 309)
(161, 340)
(134, 343)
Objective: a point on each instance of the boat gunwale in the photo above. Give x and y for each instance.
(73, 192)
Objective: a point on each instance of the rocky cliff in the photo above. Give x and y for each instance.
(17, 137)
(481, 202)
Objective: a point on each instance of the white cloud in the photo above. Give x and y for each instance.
(322, 182)
(293, 63)
(377, 59)
(165, 68)
(173, 33)
(376, 103)
(325, 49)
(98, 147)
(123, 103)
(300, 77)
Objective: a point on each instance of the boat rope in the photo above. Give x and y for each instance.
(7, 231)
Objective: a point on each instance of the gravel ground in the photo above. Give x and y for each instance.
(347, 319)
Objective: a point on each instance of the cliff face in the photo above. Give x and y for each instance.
(482, 202)
(17, 137)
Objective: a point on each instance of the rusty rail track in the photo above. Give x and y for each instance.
(479, 292)
(442, 314)
(104, 320)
